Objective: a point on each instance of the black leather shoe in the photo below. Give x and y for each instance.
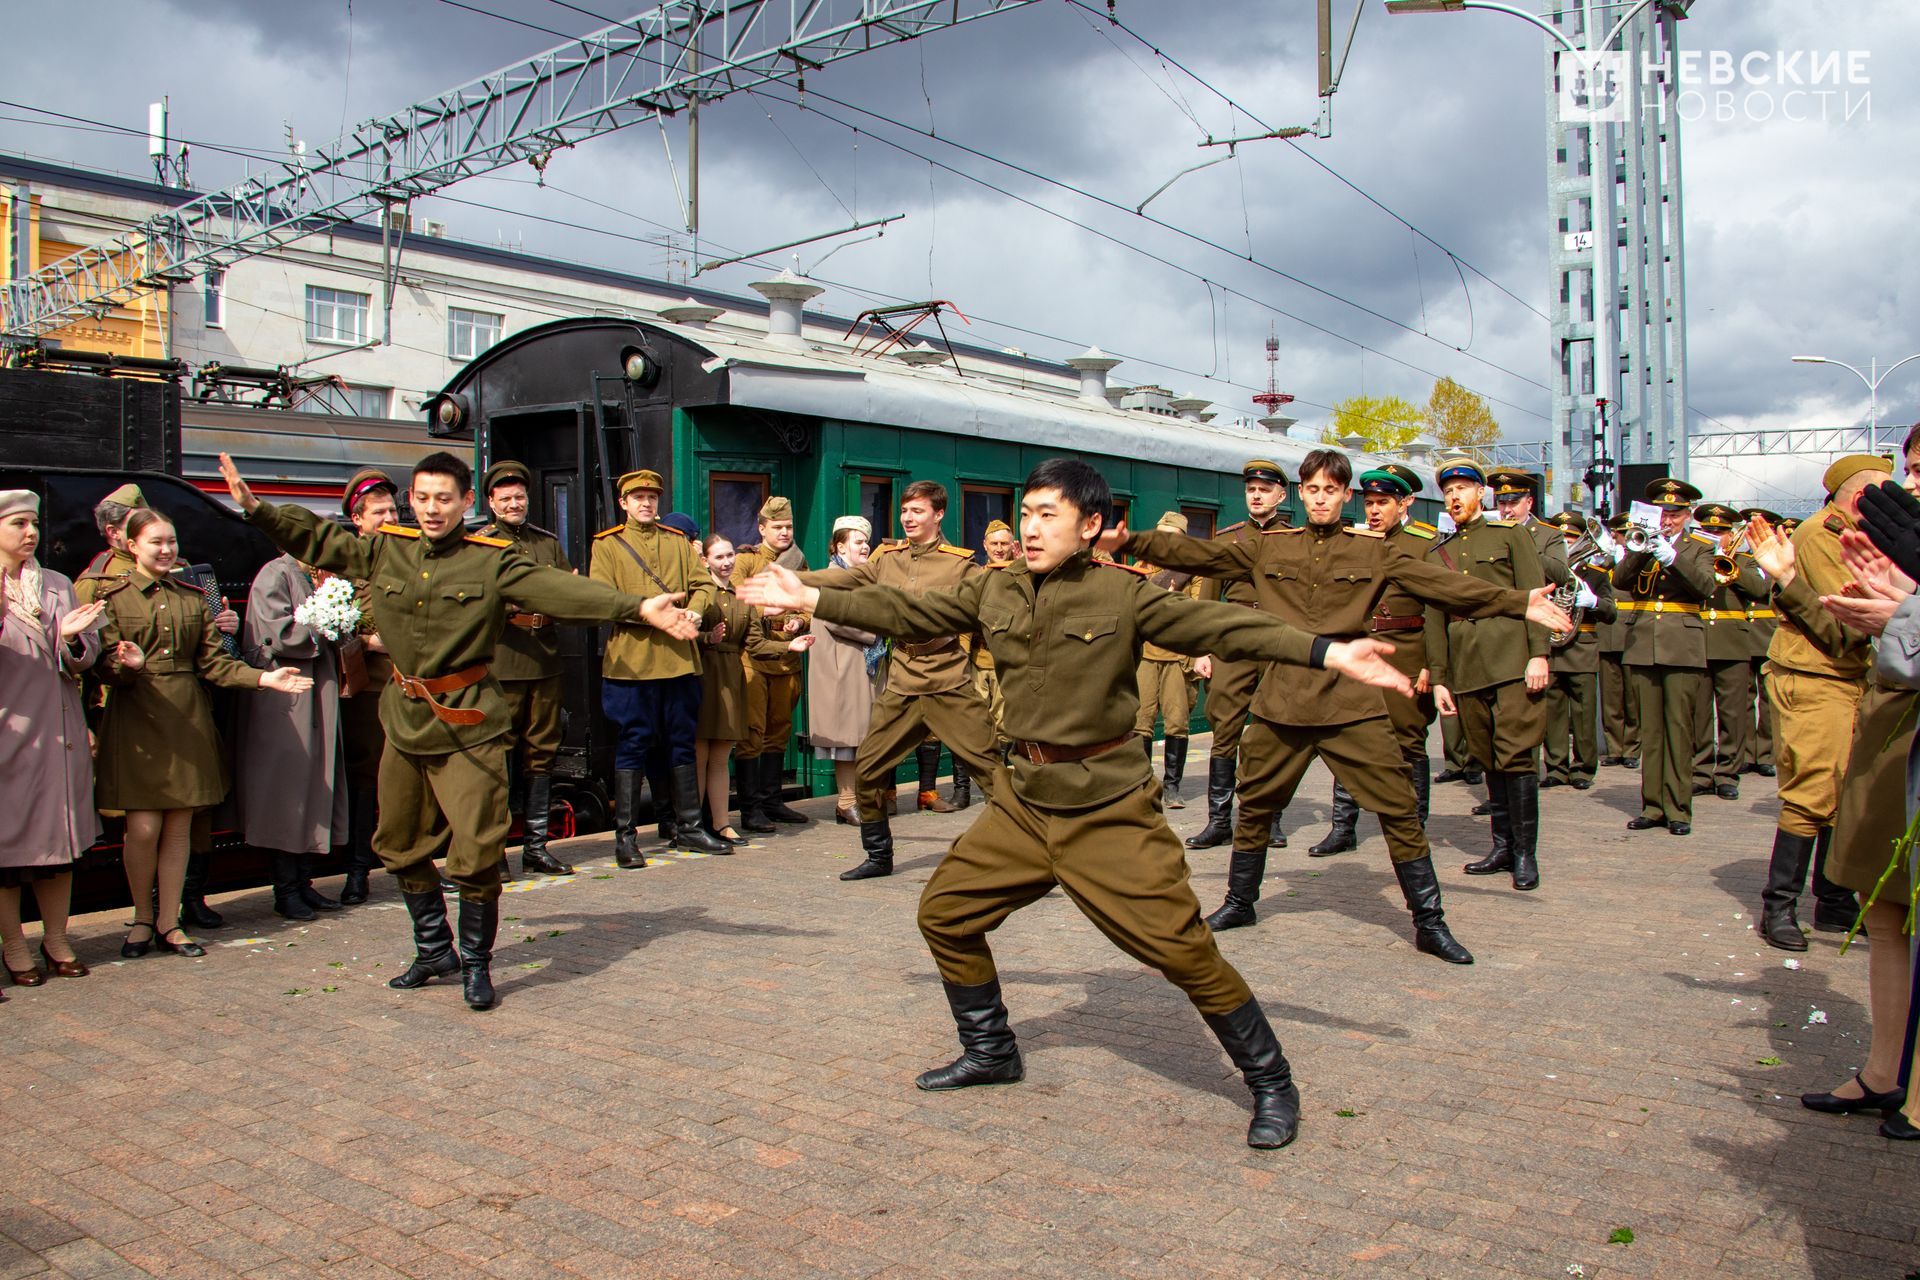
(1523, 822)
(1344, 835)
(1580, 784)
(989, 1054)
(626, 812)
(1220, 784)
(184, 947)
(1483, 809)
(1728, 791)
(1248, 1038)
(1276, 838)
(132, 950)
(1500, 857)
(773, 777)
(293, 907)
(1679, 828)
(1547, 784)
(689, 832)
(1899, 1128)
(1869, 1100)
(1474, 778)
(1644, 823)
(194, 911)
(1764, 770)
(432, 942)
(354, 891)
(479, 921)
(318, 900)
(1631, 762)
(1608, 762)
(1450, 775)
(876, 841)
(1786, 879)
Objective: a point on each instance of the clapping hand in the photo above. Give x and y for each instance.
(1542, 610)
(1876, 590)
(1891, 517)
(129, 655)
(800, 644)
(663, 613)
(285, 680)
(1366, 661)
(1771, 551)
(79, 621)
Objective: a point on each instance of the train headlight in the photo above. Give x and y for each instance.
(639, 367)
(447, 414)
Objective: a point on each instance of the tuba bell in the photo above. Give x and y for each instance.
(1585, 551)
(1725, 567)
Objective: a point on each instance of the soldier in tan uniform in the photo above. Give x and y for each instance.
(1762, 618)
(1573, 708)
(1816, 672)
(1162, 679)
(1723, 716)
(649, 679)
(1230, 685)
(110, 517)
(773, 680)
(929, 690)
(1493, 673)
(369, 502)
(1001, 549)
(1329, 578)
(1619, 720)
(439, 600)
(1077, 810)
(1400, 619)
(527, 665)
(1662, 590)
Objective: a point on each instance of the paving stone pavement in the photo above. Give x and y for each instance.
(705, 1069)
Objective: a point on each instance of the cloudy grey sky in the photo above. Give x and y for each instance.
(1796, 230)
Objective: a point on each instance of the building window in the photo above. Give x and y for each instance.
(980, 505)
(349, 399)
(337, 317)
(1200, 521)
(215, 285)
(471, 332)
(876, 504)
(734, 499)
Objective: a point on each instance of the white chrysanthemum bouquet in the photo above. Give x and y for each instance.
(330, 610)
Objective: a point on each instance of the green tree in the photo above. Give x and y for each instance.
(1460, 419)
(1385, 423)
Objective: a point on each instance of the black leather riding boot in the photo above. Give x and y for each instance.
(688, 831)
(432, 941)
(310, 895)
(1834, 907)
(1501, 857)
(1423, 786)
(1174, 771)
(1343, 838)
(876, 841)
(1786, 876)
(626, 807)
(286, 888)
(1523, 822)
(1421, 888)
(361, 858)
(962, 786)
(660, 802)
(989, 1054)
(533, 844)
(1220, 784)
(479, 921)
(1276, 838)
(194, 911)
(750, 782)
(1248, 1038)
(1244, 872)
(774, 763)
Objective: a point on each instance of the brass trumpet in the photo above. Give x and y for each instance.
(1637, 538)
(1725, 567)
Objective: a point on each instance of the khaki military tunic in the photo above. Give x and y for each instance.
(1573, 709)
(360, 730)
(1723, 716)
(1762, 619)
(440, 607)
(1816, 671)
(772, 672)
(1066, 646)
(158, 745)
(1483, 663)
(929, 690)
(723, 680)
(1231, 686)
(1163, 675)
(1400, 620)
(527, 662)
(1620, 723)
(1666, 652)
(1327, 580)
(636, 651)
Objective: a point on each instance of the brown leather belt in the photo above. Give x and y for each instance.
(927, 648)
(530, 621)
(1054, 753)
(423, 690)
(1413, 623)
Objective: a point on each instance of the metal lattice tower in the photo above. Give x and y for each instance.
(1272, 399)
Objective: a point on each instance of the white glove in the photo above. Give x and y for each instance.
(1583, 597)
(1617, 552)
(1663, 551)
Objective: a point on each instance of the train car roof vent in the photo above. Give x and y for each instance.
(1192, 408)
(1278, 426)
(919, 355)
(786, 293)
(692, 314)
(1093, 365)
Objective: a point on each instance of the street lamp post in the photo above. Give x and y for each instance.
(1873, 379)
(1599, 163)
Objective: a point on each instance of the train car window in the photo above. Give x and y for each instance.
(1201, 521)
(734, 499)
(560, 503)
(876, 504)
(215, 314)
(980, 505)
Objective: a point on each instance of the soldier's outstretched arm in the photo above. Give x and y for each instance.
(1226, 561)
(565, 596)
(1462, 593)
(1183, 624)
(886, 611)
(860, 575)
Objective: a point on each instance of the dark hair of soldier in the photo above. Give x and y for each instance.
(141, 519)
(1329, 462)
(1078, 484)
(1913, 437)
(445, 464)
(934, 492)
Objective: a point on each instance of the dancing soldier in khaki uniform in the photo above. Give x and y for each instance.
(929, 690)
(1162, 678)
(1723, 717)
(1816, 673)
(1573, 707)
(1329, 578)
(1762, 618)
(440, 602)
(772, 681)
(1230, 684)
(1619, 721)
(1078, 810)
(1661, 591)
(527, 665)
(1401, 620)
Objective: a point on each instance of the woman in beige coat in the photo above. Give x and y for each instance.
(840, 686)
(159, 757)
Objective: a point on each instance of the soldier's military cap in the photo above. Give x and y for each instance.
(1771, 517)
(506, 471)
(1670, 491)
(775, 509)
(1459, 467)
(1508, 482)
(993, 527)
(1172, 522)
(1406, 473)
(1852, 465)
(1263, 469)
(1619, 522)
(681, 523)
(1381, 480)
(1715, 516)
(1788, 525)
(1568, 521)
(641, 479)
(361, 483)
(127, 495)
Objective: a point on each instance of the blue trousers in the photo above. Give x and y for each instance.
(645, 712)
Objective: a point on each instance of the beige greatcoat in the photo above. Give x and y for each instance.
(291, 760)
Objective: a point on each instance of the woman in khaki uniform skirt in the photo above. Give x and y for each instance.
(159, 753)
(723, 698)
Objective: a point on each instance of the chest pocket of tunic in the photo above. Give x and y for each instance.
(459, 593)
(1352, 575)
(1088, 627)
(1281, 572)
(1494, 557)
(996, 620)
